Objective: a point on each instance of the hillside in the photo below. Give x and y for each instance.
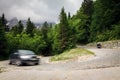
(106, 44)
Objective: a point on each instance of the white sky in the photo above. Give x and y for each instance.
(38, 10)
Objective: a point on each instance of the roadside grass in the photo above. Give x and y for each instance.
(1, 69)
(71, 54)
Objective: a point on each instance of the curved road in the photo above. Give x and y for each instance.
(103, 66)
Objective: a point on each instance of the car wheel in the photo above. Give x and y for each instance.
(36, 63)
(18, 63)
(10, 63)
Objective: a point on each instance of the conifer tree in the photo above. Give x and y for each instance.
(106, 14)
(44, 29)
(69, 16)
(3, 42)
(63, 38)
(20, 27)
(30, 27)
(83, 27)
(64, 29)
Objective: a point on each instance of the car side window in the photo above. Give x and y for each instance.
(14, 55)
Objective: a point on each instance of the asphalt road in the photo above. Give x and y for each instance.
(105, 65)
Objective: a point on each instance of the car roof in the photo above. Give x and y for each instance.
(25, 52)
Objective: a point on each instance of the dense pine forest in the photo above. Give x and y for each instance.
(95, 21)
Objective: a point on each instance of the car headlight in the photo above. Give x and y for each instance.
(24, 57)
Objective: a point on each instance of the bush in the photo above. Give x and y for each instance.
(108, 35)
(24, 41)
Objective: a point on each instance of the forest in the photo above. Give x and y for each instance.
(94, 21)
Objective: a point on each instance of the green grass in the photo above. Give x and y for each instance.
(71, 54)
(1, 69)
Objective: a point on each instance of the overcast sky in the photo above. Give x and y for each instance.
(38, 10)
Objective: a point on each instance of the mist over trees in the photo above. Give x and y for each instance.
(94, 21)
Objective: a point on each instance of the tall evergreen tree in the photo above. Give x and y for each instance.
(64, 29)
(4, 22)
(17, 29)
(3, 42)
(63, 37)
(45, 30)
(20, 27)
(69, 16)
(30, 27)
(14, 30)
(106, 14)
(83, 26)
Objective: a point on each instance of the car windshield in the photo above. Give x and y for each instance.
(25, 52)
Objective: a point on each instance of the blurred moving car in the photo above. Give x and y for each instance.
(21, 57)
(99, 45)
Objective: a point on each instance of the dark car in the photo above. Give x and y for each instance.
(21, 57)
(99, 45)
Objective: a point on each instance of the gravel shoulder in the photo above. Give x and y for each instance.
(94, 74)
(105, 65)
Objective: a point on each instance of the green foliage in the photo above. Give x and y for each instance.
(14, 30)
(63, 35)
(82, 21)
(3, 44)
(30, 27)
(24, 41)
(108, 35)
(56, 40)
(69, 16)
(116, 32)
(93, 22)
(20, 27)
(17, 29)
(104, 17)
(45, 32)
